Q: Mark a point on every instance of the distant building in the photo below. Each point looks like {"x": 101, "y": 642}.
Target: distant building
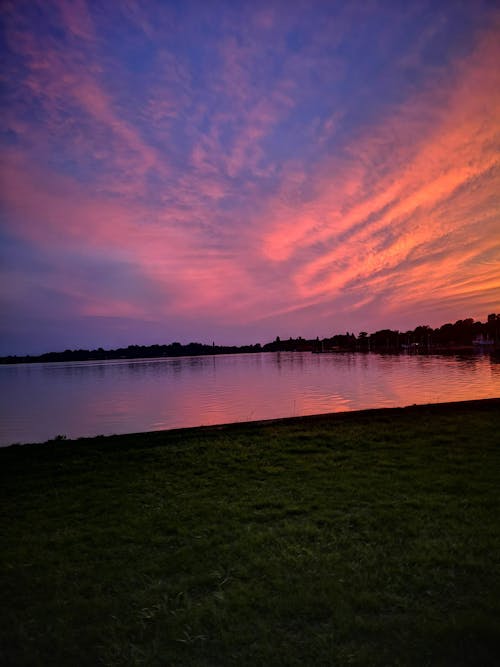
{"x": 482, "y": 340}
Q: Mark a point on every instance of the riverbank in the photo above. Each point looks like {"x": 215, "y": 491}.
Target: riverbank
{"x": 366, "y": 538}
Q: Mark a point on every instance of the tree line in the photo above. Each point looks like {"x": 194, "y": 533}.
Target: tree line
{"x": 461, "y": 335}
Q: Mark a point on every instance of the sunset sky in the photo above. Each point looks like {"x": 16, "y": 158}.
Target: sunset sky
{"x": 233, "y": 171}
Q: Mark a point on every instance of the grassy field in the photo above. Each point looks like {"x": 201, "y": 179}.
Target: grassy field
{"x": 369, "y": 538}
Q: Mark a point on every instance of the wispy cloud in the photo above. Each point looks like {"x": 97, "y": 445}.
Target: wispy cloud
{"x": 427, "y": 175}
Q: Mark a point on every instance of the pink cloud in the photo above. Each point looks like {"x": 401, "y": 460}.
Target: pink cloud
{"x": 426, "y": 159}
{"x": 53, "y": 211}
{"x": 77, "y": 19}
{"x": 69, "y": 80}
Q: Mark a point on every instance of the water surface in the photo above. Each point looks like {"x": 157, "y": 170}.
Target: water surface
{"x": 41, "y": 401}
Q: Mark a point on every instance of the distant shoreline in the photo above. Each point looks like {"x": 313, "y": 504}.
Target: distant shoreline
{"x": 50, "y": 357}
{"x": 462, "y": 336}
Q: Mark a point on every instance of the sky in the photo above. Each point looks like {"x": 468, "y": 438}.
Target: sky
{"x": 233, "y": 171}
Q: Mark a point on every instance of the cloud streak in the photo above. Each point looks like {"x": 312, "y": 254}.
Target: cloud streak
{"x": 368, "y": 231}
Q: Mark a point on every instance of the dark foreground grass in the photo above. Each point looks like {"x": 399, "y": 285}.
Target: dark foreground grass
{"x": 366, "y": 538}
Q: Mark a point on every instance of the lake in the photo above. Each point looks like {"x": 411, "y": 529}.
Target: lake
{"x": 41, "y": 401}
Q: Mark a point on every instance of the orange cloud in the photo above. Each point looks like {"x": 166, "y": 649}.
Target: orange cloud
{"x": 404, "y": 187}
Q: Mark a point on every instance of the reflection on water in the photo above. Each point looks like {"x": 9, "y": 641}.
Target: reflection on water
{"x": 77, "y": 399}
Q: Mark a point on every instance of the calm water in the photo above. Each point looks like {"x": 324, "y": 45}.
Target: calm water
{"x": 40, "y": 401}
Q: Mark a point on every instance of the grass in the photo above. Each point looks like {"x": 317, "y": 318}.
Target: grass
{"x": 368, "y": 538}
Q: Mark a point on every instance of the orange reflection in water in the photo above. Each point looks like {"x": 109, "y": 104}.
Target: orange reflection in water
{"x": 90, "y": 398}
